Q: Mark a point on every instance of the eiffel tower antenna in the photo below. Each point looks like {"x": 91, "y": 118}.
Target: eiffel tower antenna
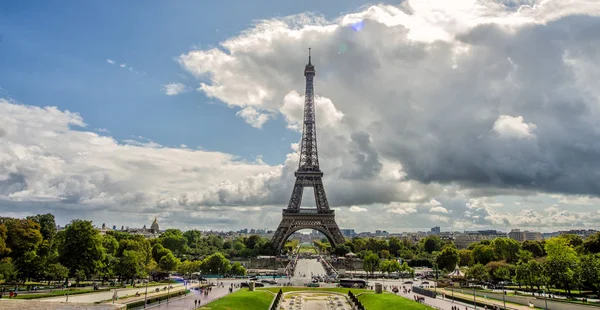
{"x": 308, "y": 174}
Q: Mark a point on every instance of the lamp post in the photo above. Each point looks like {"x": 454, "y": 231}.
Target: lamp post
{"x": 435, "y": 269}
{"x": 504, "y": 299}
{"x": 474, "y": 298}
{"x": 168, "y": 289}
{"x": 146, "y": 295}
{"x": 68, "y": 287}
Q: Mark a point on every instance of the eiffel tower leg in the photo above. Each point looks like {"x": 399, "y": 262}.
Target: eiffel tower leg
{"x": 320, "y": 197}
{"x": 296, "y": 198}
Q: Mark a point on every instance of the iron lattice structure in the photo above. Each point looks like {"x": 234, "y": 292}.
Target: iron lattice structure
{"x": 308, "y": 174}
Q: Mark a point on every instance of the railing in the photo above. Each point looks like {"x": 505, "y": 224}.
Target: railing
{"x": 276, "y": 301}
{"x": 355, "y": 302}
{"x": 307, "y": 211}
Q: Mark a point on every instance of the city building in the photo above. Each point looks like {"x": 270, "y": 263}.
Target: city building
{"x": 350, "y": 233}
{"x": 518, "y": 235}
{"x": 436, "y": 230}
{"x": 463, "y": 240}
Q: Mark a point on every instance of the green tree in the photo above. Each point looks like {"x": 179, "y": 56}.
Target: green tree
{"x": 404, "y": 268}
{"x": 82, "y": 248}
{"x": 110, "y": 244}
{"x": 47, "y": 225}
{"x": 4, "y": 249}
{"x": 174, "y": 240}
{"x": 465, "y": 257}
{"x": 389, "y": 266}
{"x": 506, "y": 249}
{"x": 502, "y": 273}
{"x": 168, "y": 262}
{"x": 395, "y": 245}
{"x": 8, "y": 271}
{"x": 193, "y": 238}
{"x": 478, "y": 272}
{"x": 130, "y": 265}
{"x": 528, "y": 273}
{"x": 483, "y": 254}
{"x": 187, "y": 268}
{"x": 341, "y": 250}
{"x": 158, "y": 251}
{"x": 371, "y": 262}
{"x": 561, "y": 262}
{"x": 238, "y": 270}
{"x": 23, "y": 238}
{"x": 535, "y": 247}
{"x": 589, "y": 270}
{"x": 385, "y": 254}
{"x": 432, "y": 244}
{"x": 55, "y": 272}
{"x": 447, "y": 258}
{"x": 216, "y": 264}
{"x": 592, "y": 243}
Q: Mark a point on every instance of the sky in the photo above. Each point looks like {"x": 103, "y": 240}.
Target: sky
{"x": 467, "y": 114}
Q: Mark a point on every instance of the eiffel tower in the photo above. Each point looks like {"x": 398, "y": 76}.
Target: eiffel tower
{"x": 308, "y": 174}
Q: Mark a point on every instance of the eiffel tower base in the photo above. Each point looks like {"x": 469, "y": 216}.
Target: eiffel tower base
{"x": 294, "y": 221}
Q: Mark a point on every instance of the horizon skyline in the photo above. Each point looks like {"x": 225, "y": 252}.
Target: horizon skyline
{"x": 466, "y": 115}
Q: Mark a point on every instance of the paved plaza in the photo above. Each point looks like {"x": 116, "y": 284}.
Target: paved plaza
{"x": 314, "y": 301}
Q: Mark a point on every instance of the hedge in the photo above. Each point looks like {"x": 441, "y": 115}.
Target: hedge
{"x": 154, "y": 299}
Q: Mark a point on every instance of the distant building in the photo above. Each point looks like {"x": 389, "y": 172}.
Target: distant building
{"x": 154, "y": 227}
{"x": 463, "y": 240}
{"x": 103, "y": 226}
{"x": 579, "y": 232}
{"x": 518, "y": 235}
{"x": 350, "y": 233}
{"x": 436, "y": 230}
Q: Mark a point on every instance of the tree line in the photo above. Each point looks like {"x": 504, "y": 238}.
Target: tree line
{"x": 565, "y": 262}
{"x": 32, "y": 249}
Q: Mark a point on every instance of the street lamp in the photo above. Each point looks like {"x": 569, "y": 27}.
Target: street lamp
{"x": 146, "y": 295}
{"x": 474, "y": 298}
{"x": 68, "y": 287}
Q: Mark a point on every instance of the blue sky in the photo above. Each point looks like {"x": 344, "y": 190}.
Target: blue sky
{"x": 54, "y": 53}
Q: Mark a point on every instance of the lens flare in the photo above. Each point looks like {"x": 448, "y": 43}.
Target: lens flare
{"x": 358, "y": 26}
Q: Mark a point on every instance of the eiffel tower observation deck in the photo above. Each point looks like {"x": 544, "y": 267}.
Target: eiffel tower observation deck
{"x": 308, "y": 174}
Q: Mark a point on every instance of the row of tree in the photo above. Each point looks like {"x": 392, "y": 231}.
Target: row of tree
{"x": 564, "y": 262}
{"x": 32, "y": 249}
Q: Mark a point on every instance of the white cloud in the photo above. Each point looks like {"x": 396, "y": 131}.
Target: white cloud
{"x": 413, "y": 112}
{"x": 513, "y": 127}
{"x": 123, "y": 65}
{"x": 253, "y": 117}
{"x": 172, "y": 89}
{"x": 44, "y": 160}
{"x": 438, "y": 209}
{"x": 110, "y": 61}
{"x": 357, "y": 209}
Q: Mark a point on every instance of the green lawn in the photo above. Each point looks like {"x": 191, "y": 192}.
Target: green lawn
{"x": 307, "y": 249}
{"x": 321, "y": 289}
{"x": 58, "y": 293}
{"x": 242, "y": 299}
{"x": 374, "y": 301}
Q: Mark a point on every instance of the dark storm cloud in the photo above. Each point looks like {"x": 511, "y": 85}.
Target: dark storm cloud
{"x": 452, "y": 139}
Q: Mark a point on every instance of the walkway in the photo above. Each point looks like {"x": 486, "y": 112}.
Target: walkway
{"x": 108, "y": 295}
{"x": 187, "y": 303}
{"x": 305, "y": 269}
{"x": 442, "y": 303}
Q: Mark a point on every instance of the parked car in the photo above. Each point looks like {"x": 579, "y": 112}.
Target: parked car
{"x": 408, "y": 282}
{"x": 258, "y": 284}
{"x": 313, "y": 284}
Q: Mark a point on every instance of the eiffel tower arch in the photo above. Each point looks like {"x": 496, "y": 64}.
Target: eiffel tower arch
{"x": 308, "y": 174}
